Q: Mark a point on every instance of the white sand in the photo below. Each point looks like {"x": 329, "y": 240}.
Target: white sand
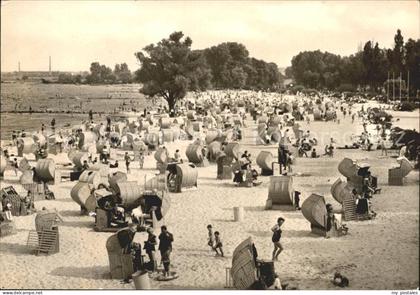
{"x": 378, "y": 254}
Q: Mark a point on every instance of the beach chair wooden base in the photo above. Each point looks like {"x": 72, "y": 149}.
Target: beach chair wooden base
{"x": 44, "y": 242}
{"x": 396, "y": 181}
{"x": 121, "y": 266}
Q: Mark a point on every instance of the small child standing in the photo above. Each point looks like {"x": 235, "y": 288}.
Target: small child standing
{"x": 211, "y": 236}
{"x": 141, "y": 160}
{"x": 218, "y": 244}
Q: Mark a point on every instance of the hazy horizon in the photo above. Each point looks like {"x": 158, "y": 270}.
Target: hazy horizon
{"x": 77, "y": 33}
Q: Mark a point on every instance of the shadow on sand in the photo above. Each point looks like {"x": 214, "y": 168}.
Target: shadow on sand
{"x": 16, "y": 249}
{"x": 89, "y": 273}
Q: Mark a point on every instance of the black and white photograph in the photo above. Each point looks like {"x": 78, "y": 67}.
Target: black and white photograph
{"x": 209, "y": 145}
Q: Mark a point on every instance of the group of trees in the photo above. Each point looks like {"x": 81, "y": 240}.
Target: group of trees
{"x": 367, "y": 68}
{"x": 231, "y": 67}
{"x": 170, "y": 68}
{"x": 101, "y": 74}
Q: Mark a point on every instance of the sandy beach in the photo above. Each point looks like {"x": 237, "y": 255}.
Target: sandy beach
{"x": 377, "y": 254}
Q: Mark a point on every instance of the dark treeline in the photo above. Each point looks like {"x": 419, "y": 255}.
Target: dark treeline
{"x": 100, "y": 74}
{"x": 367, "y": 69}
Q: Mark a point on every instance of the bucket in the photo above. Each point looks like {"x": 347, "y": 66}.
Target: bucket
{"x": 141, "y": 280}
{"x": 238, "y": 214}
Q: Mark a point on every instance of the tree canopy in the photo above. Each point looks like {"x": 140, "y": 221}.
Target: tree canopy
{"x": 170, "y": 68}
{"x": 367, "y": 68}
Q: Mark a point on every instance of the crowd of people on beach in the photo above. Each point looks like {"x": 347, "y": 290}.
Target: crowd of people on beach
{"x": 228, "y": 103}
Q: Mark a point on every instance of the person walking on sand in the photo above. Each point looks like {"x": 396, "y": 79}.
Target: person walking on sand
{"x": 278, "y": 248}
{"x": 165, "y": 248}
{"x": 218, "y": 244}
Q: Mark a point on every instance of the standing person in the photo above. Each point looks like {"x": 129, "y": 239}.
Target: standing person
{"x": 218, "y": 244}
{"x": 42, "y": 128}
{"x": 8, "y": 211}
{"x": 280, "y": 155}
{"x": 149, "y": 246}
{"x": 138, "y": 263}
{"x": 383, "y": 147}
{"x": 14, "y": 137}
{"x": 53, "y": 125}
{"x": 15, "y": 165}
{"x": 165, "y": 248}
{"x": 108, "y": 124}
{"x": 177, "y": 157}
{"x": 90, "y": 115}
{"x": 278, "y": 248}
{"x": 289, "y": 161}
{"x": 297, "y": 200}
{"x": 330, "y": 221}
{"x": 210, "y": 241}
{"x": 127, "y": 162}
{"x": 141, "y": 160}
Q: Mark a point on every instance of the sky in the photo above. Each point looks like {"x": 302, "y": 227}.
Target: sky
{"x": 76, "y": 33}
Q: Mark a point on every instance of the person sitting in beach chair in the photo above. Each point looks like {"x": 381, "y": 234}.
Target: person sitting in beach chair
{"x": 118, "y": 217}
{"x": 369, "y": 187}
